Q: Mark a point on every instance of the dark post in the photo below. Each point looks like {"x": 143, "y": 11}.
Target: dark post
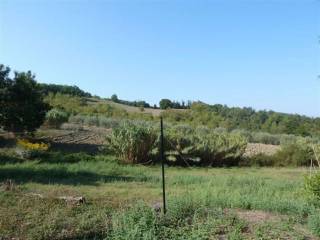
{"x": 162, "y": 163}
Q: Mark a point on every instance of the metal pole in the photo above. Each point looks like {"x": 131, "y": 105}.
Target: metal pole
{"x": 162, "y": 163}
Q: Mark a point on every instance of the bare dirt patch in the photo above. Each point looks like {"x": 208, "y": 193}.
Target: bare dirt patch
{"x": 86, "y": 139}
{"x": 260, "y": 148}
{"x": 256, "y": 216}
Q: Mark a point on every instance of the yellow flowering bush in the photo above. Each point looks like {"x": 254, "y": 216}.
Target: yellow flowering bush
{"x": 26, "y": 144}
{"x": 29, "y": 150}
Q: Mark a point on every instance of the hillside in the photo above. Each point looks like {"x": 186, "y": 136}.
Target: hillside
{"x": 129, "y": 109}
{"x": 199, "y": 113}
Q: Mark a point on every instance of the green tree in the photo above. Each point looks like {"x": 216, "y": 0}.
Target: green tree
{"x": 114, "y": 98}
{"x": 21, "y": 105}
{"x": 165, "y": 104}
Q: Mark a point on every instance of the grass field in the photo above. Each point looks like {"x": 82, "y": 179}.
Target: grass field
{"x": 220, "y": 203}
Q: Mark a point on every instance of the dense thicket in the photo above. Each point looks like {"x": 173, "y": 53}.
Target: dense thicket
{"x": 133, "y": 142}
{"x": 246, "y": 118}
{"x": 63, "y": 89}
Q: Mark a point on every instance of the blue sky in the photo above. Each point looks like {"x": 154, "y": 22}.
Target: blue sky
{"x": 263, "y": 54}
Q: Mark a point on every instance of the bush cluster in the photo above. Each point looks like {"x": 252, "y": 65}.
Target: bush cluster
{"x": 203, "y": 146}
{"x": 295, "y": 154}
{"x": 136, "y": 142}
{"x": 29, "y": 150}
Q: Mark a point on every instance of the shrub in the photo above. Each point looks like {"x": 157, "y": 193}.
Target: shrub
{"x": 91, "y": 120}
{"x": 314, "y": 222}
{"x": 29, "y": 150}
{"x": 203, "y": 146}
{"x": 312, "y": 185}
{"x": 260, "y": 160}
{"x": 133, "y": 141}
{"x": 266, "y": 138}
{"x": 33, "y": 146}
{"x": 287, "y": 139}
{"x": 295, "y": 154}
{"x": 56, "y": 117}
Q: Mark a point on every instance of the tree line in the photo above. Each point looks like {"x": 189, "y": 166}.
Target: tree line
{"x": 143, "y": 104}
{"x": 163, "y": 104}
{"x": 246, "y": 118}
{"x": 63, "y": 89}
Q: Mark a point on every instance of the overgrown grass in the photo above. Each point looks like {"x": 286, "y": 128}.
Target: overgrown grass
{"x": 202, "y": 202}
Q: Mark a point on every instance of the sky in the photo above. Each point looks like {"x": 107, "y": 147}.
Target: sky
{"x": 263, "y": 54}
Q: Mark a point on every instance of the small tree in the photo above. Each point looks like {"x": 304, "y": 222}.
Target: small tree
{"x": 114, "y": 98}
{"x": 22, "y": 108}
{"x": 165, "y": 103}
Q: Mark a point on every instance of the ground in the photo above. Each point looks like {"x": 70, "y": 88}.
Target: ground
{"x": 268, "y": 203}
{"x": 38, "y": 198}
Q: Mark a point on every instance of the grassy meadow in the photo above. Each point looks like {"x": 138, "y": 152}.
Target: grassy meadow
{"x": 121, "y": 201}
{"x": 88, "y": 168}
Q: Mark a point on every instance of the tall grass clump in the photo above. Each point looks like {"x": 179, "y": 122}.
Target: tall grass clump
{"x": 56, "y": 117}
{"x": 133, "y": 141}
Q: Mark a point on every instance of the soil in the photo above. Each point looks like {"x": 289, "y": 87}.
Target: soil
{"x": 259, "y": 148}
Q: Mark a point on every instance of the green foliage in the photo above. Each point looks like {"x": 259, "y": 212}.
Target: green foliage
{"x": 259, "y": 160}
{"x": 267, "y": 138}
{"x": 203, "y": 146}
{"x": 248, "y": 119}
{"x": 200, "y": 202}
{"x": 77, "y": 105}
{"x": 133, "y": 141}
{"x": 138, "y": 222}
{"x": 140, "y": 104}
{"x": 96, "y": 120}
{"x": 312, "y": 185}
{"x": 114, "y": 98}
{"x": 185, "y": 220}
{"x": 56, "y": 117}
{"x": 299, "y": 153}
{"x": 21, "y": 105}
{"x": 314, "y": 222}
{"x": 62, "y": 89}
{"x": 165, "y": 104}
